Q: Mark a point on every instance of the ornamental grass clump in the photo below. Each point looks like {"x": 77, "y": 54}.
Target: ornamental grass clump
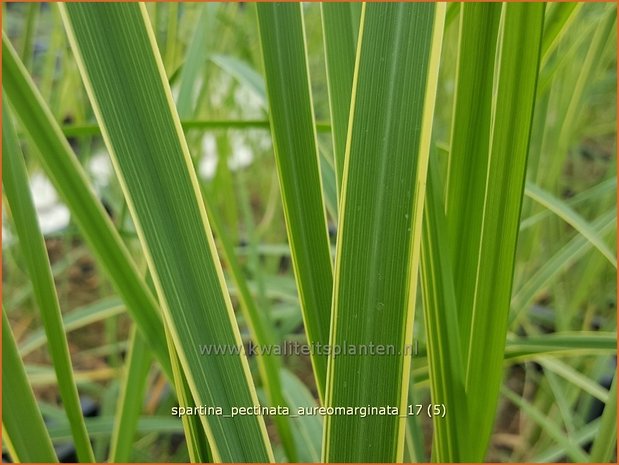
{"x": 289, "y": 175}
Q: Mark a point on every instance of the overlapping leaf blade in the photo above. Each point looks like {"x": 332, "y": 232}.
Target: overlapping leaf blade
{"x": 485, "y": 184}
{"x": 445, "y": 359}
{"x": 566, "y": 213}
{"x": 22, "y": 424}
{"x": 380, "y": 226}
{"x": 69, "y": 179}
{"x": 16, "y": 187}
{"x": 503, "y": 169}
{"x": 341, "y": 28}
{"x": 123, "y": 72}
{"x": 296, "y": 155}
{"x": 129, "y": 407}
{"x": 262, "y": 333}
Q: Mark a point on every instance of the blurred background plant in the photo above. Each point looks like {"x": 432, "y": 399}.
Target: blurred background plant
{"x": 554, "y": 390}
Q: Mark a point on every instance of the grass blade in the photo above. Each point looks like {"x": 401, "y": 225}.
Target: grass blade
{"x": 329, "y": 185}
{"x": 566, "y": 213}
{"x": 449, "y": 278}
{"x": 557, "y": 263}
{"x": 194, "y": 60}
{"x": 531, "y": 348}
{"x": 131, "y": 399}
{"x": 296, "y": 154}
{"x": 340, "y": 38}
{"x": 116, "y": 53}
{"x": 598, "y": 192}
{"x": 517, "y": 77}
{"x": 558, "y": 452}
{"x": 479, "y": 25}
{"x": 486, "y": 183}
{"x": 78, "y": 318}
{"x": 308, "y": 429}
{"x": 573, "y": 450}
{"x": 76, "y": 130}
{"x": 572, "y": 112}
{"x": 102, "y": 427}
{"x": 380, "y": 225}
{"x": 23, "y": 430}
{"x": 27, "y": 49}
{"x": 415, "y": 450}
{"x": 69, "y": 179}
{"x": 199, "y": 452}
{"x": 575, "y": 377}
{"x": 557, "y": 23}
{"x": 605, "y": 443}
{"x": 564, "y": 343}
{"x": 262, "y": 333}
{"x": 244, "y": 74}
{"x": 441, "y": 321}
{"x": 17, "y": 191}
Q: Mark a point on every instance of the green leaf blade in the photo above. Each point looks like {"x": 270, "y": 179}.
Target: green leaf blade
{"x": 565, "y": 212}
{"x": 517, "y": 78}
{"x": 131, "y": 399}
{"x": 296, "y": 154}
{"x": 380, "y": 226}
{"x": 127, "y": 87}
{"x": 17, "y": 190}
{"x": 605, "y": 443}
{"x": 22, "y": 424}
{"x": 69, "y": 179}
{"x": 445, "y": 359}
{"x": 340, "y": 36}
{"x": 471, "y": 134}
